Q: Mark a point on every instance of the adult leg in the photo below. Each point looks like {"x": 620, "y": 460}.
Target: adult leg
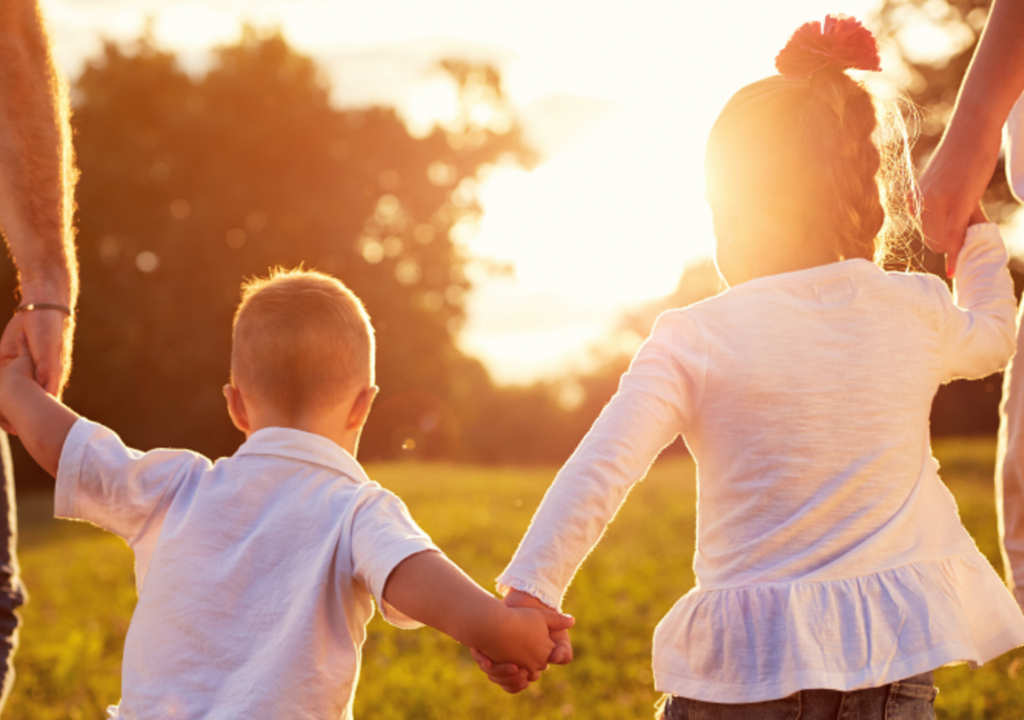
{"x": 1010, "y": 472}
{"x": 12, "y": 594}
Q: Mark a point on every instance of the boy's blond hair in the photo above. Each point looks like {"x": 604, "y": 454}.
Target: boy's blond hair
{"x": 301, "y": 341}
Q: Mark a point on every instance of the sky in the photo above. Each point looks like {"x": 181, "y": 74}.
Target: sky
{"x": 618, "y": 97}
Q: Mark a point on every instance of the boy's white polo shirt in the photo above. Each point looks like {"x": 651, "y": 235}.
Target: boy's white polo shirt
{"x": 255, "y": 573}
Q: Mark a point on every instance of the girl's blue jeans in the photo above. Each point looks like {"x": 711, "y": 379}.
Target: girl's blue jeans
{"x": 910, "y": 699}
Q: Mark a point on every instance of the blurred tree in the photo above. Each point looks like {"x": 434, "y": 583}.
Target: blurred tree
{"x": 190, "y": 184}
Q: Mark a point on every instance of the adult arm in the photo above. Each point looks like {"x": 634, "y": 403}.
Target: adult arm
{"x": 37, "y": 178}
{"x": 962, "y": 165}
{"x": 1010, "y": 474}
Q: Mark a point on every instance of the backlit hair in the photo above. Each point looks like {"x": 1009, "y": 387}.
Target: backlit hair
{"x": 823, "y": 151}
{"x": 301, "y": 341}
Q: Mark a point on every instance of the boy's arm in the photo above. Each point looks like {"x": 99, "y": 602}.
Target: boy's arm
{"x": 430, "y": 588}
{"x": 41, "y": 421}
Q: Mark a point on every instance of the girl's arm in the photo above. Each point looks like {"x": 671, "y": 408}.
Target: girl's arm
{"x": 658, "y": 398}
{"x": 431, "y": 589}
{"x": 978, "y": 327}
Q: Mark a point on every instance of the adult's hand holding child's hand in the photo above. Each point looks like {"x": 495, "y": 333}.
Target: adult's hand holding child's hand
{"x": 952, "y": 185}
{"x": 47, "y": 334}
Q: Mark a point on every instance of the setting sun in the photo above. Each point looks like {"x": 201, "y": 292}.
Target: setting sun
{"x": 618, "y": 102}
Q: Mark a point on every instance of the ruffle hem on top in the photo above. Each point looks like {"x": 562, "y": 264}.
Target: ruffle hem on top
{"x": 767, "y": 641}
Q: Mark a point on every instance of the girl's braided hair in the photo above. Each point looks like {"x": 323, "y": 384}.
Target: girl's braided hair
{"x": 817, "y": 145}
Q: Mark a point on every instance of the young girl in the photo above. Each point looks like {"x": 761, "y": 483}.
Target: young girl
{"x": 833, "y": 573}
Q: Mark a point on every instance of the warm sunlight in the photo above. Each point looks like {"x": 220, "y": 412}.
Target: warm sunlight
{"x": 408, "y": 367}
{"x": 618, "y": 102}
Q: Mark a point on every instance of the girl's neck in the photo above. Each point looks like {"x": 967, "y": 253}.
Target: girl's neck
{"x": 784, "y": 262}
{"x": 765, "y": 253}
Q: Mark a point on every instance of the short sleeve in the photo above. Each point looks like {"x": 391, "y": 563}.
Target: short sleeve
{"x": 101, "y": 480}
{"x": 383, "y": 535}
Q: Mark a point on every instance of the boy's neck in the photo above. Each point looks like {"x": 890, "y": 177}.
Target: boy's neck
{"x": 341, "y": 423}
{"x": 316, "y": 425}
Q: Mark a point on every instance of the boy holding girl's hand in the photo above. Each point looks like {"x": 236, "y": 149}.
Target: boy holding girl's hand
{"x": 255, "y": 573}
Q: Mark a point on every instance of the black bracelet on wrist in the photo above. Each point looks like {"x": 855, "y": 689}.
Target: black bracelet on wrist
{"x": 28, "y": 307}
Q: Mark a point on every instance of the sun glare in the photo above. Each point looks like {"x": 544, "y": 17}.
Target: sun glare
{"x": 618, "y": 101}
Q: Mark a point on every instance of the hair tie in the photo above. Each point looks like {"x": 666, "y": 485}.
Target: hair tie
{"x": 842, "y": 44}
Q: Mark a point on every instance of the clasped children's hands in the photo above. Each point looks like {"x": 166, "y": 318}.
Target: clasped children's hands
{"x": 551, "y": 647}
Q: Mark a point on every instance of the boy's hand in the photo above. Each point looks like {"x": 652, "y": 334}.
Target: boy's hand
{"x": 527, "y": 641}
{"x": 43, "y": 422}
{"x": 15, "y": 369}
{"x": 430, "y": 588}
{"x": 509, "y": 676}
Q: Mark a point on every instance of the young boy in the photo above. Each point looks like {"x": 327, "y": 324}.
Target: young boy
{"x": 255, "y": 573}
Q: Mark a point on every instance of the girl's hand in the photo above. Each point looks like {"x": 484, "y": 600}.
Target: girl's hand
{"x": 562, "y": 654}
{"x": 509, "y": 676}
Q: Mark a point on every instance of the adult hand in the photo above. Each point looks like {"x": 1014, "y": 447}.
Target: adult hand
{"x": 48, "y": 337}
{"x": 508, "y": 676}
{"x": 954, "y": 181}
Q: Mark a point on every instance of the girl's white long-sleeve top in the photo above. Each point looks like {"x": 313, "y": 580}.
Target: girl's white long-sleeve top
{"x": 829, "y": 554}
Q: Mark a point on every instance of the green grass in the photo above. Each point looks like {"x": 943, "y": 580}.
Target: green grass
{"x": 82, "y": 588}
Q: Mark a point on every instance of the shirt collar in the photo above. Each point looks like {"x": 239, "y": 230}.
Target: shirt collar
{"x": 853, "y": 266}
{"x": 304, "y": 447}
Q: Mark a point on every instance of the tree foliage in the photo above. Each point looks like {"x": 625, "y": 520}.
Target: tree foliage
{"x": 192, "y": 183}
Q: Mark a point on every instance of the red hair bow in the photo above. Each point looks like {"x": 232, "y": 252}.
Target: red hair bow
{"x": 843, "y": 43}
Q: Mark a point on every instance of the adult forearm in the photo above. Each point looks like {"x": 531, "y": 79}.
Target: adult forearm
{"x": 37, "y": 173}
{"x": 995, "y": 78}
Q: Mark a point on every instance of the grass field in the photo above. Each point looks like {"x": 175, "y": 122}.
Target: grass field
{"x": 82, "y": 594}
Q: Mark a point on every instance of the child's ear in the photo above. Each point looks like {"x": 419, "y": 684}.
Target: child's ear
{"x": 361, "y": 407}
{"x": 236, "y": 408}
